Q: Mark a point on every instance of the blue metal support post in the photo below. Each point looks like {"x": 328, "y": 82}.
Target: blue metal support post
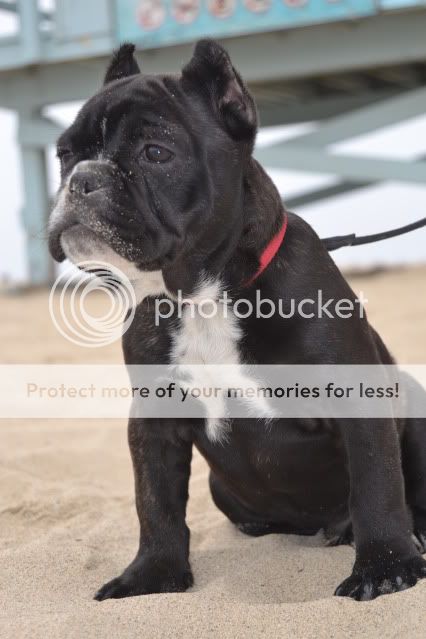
{"x": 36, "y": 207}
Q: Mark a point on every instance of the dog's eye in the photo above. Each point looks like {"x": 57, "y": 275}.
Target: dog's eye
{"x": 157, "y": 154}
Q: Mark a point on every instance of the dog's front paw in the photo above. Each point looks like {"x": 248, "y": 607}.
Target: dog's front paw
{"x": 147, "y": 576}
{"x": 419, "y": 534}
{"x": 368, "y": 583}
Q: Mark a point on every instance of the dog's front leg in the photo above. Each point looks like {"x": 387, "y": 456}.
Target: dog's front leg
{"x": 161, "y": 452}
{"x": 386, "y": 558}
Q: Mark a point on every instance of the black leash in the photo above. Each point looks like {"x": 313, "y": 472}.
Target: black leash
{"x": 333, "y": 243}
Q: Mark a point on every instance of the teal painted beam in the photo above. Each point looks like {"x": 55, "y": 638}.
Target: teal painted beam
{"x": 29, "y": 33}
{"x": 365, "y": 120}
{"x": 325, "y": 193}
{"x": 260, "y": 58}
{"x": 314, "y": 108}
{"x": 35, "y": 214}
{"x": 385, "y": 38}
{"x": 298, "y": 158}
{"x": 277, "y": 16}
{"x": 12, "y": 7}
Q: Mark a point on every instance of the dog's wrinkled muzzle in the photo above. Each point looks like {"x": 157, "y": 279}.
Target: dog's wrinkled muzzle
{"x": 86, "y": 183}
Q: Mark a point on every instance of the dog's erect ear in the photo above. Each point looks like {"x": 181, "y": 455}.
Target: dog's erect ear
{"x": 122, "y": 64}
{"x": 210, "y": 72}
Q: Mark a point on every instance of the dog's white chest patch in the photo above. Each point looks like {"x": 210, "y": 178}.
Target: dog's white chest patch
{"x": 203, "y": 340}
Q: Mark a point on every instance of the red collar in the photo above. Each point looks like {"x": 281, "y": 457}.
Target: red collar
{"x": 270, "y": 251}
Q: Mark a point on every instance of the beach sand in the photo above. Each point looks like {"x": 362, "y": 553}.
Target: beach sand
{"x": 68, "y": 523}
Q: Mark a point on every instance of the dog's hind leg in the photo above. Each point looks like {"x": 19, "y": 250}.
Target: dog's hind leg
{"x": 414, "y": 468}
{"x": 245, "y": 520}
{"x": 233, "y": 509}
{"x": 413, "y": 447}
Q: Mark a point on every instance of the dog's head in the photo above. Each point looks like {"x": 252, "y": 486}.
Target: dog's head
{"x": 152, "y": 167}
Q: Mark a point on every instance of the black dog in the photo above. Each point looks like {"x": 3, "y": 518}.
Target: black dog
{"x": 158, "y": 178}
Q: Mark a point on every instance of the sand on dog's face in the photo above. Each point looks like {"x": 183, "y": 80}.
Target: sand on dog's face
{"x": 67, "y": 519}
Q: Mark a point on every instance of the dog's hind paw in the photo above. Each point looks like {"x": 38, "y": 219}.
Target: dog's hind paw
{"x": 419, "y": 539}
{"x": 254, "y": 529}
{"x": 419, "y": 532}
{"x": 144, "y": 577}
{"x": 339, "y": 535}
{"x": 369, "y": 583}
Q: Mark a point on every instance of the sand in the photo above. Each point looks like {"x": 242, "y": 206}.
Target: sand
{"x": 67, "y": 519}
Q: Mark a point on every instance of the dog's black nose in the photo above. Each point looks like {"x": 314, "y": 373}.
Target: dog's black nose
{"x": 85, "y": 182}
